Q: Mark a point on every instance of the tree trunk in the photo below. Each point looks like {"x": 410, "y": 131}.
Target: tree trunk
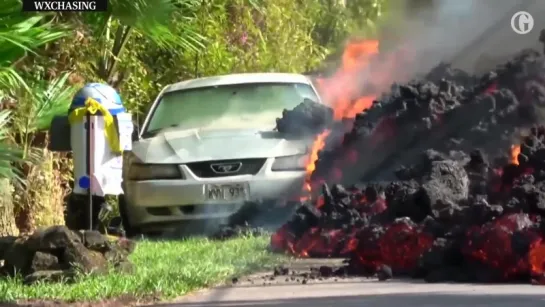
{"x": 7, "y": 217}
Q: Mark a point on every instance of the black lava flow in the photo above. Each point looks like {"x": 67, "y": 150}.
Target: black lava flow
{"x": 306, "y": 119}
{"x": 431, "y": 203}
{"x": 448, "y": 110}
{"x": 428, "y": 188}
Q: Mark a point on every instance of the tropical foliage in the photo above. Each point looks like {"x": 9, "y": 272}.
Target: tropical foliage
{"x": 139, "y": 46}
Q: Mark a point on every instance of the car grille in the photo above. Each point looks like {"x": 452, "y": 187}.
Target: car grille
{"x": 248, "y": 167}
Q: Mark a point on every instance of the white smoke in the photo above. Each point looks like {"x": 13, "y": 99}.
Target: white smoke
{"x": 466, "y": 33}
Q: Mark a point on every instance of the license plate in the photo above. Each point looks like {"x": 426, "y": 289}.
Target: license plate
{"x": 236, "y": 191}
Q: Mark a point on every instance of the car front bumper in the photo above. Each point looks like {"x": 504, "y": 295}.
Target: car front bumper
{"x": 160, "y": 203}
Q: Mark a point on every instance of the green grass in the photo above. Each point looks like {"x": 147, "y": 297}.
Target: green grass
{"x": 165, "y": 269}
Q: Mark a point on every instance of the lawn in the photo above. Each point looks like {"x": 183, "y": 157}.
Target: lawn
{"x": 163, "y": 268}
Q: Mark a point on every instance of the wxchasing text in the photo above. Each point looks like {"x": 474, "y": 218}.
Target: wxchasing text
{"x": 59, "y": 5}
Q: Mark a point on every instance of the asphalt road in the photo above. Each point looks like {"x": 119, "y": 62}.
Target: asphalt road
{"x": 369, "y": 293}
{"x": 264, "y": 291}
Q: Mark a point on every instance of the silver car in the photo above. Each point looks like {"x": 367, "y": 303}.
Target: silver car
{"x": 209, "y": 145}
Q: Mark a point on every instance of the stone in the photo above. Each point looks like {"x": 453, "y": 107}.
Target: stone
{"x": 94, "y": 240}
{"x": 86, "y": 260}
{"x": 17, "y": 258}
{"x": 49, "y": 276}
{"x": 44, "y": 262}
{"x": 119, "y": 250}
{"x": 57, "y": 254}
{"x": 5, "y": 244}
{"x": 52, "y": 238}
{"x": 126, "y": 244}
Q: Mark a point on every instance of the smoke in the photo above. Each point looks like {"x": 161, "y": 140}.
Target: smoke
{"x": 473, "y": 35}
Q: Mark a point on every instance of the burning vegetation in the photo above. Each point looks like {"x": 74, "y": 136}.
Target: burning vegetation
{"x": 426, "y": 180}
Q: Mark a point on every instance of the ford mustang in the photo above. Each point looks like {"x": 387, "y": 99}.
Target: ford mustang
{"x": 207, "y": 146}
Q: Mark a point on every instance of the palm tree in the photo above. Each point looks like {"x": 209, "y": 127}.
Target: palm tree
{"x": 19, "y": 35}
{"x": 153, "y": 20}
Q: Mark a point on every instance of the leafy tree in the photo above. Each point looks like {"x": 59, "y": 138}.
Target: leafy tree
{"x": 20, "y": 35}
{"x": 149, "y": 19}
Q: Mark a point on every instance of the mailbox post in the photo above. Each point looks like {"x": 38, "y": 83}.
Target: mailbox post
{"x": 100, "y": 130}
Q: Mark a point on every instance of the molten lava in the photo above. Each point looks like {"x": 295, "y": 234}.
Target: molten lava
{"x": 447, "y": 220}
{"x": 515, "y": 151}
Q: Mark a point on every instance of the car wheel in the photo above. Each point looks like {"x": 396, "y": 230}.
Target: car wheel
{"x": 129, "y": 230}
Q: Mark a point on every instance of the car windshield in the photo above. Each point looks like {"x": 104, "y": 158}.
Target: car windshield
{"x": 240, "y": 106}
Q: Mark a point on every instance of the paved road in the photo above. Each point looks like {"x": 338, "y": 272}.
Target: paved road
{"x": 260, "y": 290}
{"x": 369, "y": 293}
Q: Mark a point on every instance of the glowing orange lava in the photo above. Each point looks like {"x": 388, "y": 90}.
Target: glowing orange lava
{"x": 536, "y": 257}
{"x": 515, "y": 151}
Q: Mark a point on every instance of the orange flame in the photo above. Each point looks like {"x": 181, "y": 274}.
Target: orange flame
{"x": 340, "y": 92}
{"x": 515, "y": 151}
{"x": 318, "y": 145}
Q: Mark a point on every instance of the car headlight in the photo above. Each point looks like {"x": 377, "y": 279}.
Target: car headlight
{"x": 290, "y": 163}
{"x": 138, "y": 171}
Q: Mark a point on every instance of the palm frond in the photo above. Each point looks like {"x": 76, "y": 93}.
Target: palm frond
{"x": 50, "y": 99}
{"x": 153, "y": 19}
{"x": 21, "y": 33}
{"x": 8, "y": 153}
{"x": 10, "y": 79}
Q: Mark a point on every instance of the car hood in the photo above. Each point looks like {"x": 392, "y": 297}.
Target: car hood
{"x": 183, "y": 146}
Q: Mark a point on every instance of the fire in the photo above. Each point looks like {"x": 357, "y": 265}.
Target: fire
{"x": 341, "y": 91}
{"x": 515, "y": 151}
{"x": 318, "y": 145}
{"x": 499, "y": 238}
{"x": 343, "y": 94}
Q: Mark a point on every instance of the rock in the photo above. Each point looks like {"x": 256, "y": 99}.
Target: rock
{"x": 86, "y": 260}
{"x": 49, "y": 276}
{"x": 5, "y": 243}
{"x": 307, "y": 118}
{"x": 52, "y": 238}
{"x": 281, "y": 271}
{"x": 384, "y": 273}
{"x": 326, "y": 271}
{"x": 117, "y": 252}
{"x": 447, "y": 183}
{"x": 17, "y": 258}
{"x": 56, "y": 253}
{"x": 125, "y": 244}
{"x": 94, "y": 240}
{"x": 44, "y": 262}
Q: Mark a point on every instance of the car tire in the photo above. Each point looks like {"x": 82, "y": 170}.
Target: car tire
{"x": 129, "y": 230}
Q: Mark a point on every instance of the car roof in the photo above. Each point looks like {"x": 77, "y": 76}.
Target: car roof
{"x": 238, "y": 79}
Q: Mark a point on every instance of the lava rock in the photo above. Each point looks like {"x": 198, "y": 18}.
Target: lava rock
{"x": 384, "y": 273}
{"x": 306, "y": 119}
{"x": 57, "y": 253}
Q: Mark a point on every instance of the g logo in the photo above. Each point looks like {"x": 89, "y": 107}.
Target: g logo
{"x": 522, "y": 22}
